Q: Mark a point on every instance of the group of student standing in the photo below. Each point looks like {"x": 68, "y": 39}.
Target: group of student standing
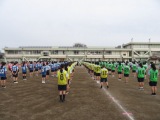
{"x": 35, "y": 68}
{"x": 100, "y": 70}
{"x": 62, "y": 70}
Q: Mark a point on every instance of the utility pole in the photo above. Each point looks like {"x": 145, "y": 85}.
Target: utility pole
{"x": 149, "y": 47}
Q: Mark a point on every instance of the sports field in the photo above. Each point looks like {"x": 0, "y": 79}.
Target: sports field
{"x": 32, "y": 100}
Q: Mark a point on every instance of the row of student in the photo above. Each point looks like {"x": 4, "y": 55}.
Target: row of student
{"x": 64, "y": 75}
{"x": 120, "y": 67}
{"x": 35, "y": 66}
{"x": 113, "y": 66}
{"x": 45, "y": 70}
{"x": 15, "y": 71}
{"x": 140, "y": 72}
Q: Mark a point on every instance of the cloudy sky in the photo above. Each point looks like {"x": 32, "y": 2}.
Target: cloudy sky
{"x": 65, "y": 22}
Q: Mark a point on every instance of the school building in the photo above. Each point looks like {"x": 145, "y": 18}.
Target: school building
{"x": 79, "y": 52}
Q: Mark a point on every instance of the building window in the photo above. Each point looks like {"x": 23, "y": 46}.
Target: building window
{"x": 35, "y": 52}
{"x": 76, "y": 52}
{"x": 54, "y": 52}
{"x": 45, "y": 53}
{"x": 63, "y": 52}
{"x": 97, "y": 52}
{"x": 14, "y": 52}
{"x": 10, "y": 52}
{"x": 155, "y": 46}
{"x": 27, "y": 52}
{"x": 108, "y": 52}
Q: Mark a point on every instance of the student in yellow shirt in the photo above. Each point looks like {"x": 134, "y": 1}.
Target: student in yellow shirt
{"x": 98, "y": 69}
{"x": 104, "y": 74}
{"x": 62, "y": 83}
{"x": 69, "y": 71}
{"x": 95, "y": 67}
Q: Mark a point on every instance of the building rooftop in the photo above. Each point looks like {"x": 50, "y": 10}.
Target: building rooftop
{"x": 65, "y": 47}
{"x": 35, "y": 47}
{"x": 141, "y": 43}
{"x": 79, "y": 46}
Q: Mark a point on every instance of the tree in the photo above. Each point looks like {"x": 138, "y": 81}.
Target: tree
{"x": 79, "y": 45}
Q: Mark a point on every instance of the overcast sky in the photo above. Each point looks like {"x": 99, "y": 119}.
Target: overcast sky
{"x": 65, "y": 22}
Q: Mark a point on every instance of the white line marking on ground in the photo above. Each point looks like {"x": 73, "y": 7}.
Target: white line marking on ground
{"x": 129, "y": 115}
{"x": 119, "y": 105}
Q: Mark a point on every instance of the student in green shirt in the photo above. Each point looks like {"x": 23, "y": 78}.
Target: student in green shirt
{"x": 119, "y": 69}
{"x": 113, "y": 68}
{"x": 153, "y": 78}
{"x": 134, "y": 68}
{"x": 109, "y": 67}
{"x": 141, "y": 75}
{"x": 126, "y": 72}
{"x": 146, "y": 67}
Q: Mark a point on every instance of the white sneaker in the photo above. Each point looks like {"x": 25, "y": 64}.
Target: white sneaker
{"x": 16, "y": 82}
{"x": 98, "y": 82}
{"x": 43, "y": 81}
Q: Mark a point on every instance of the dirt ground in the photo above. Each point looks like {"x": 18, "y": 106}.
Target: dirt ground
{"x": 32, "y": 100}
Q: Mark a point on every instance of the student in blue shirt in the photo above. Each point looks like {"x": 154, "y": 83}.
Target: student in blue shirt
{"x": 15, "y": 72}
{"x": 43, "y": 72}
{"x": 56, "y": 68}
{"x": 31, "y": 68}
{"x": 3, "y": 71}
{"x": 36, "y": 68}
{"x": 40, "y": 66}
{"x": 24, "y": 70}
{"x": 52, "y": 68}
{"x": 47, "y": 70}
